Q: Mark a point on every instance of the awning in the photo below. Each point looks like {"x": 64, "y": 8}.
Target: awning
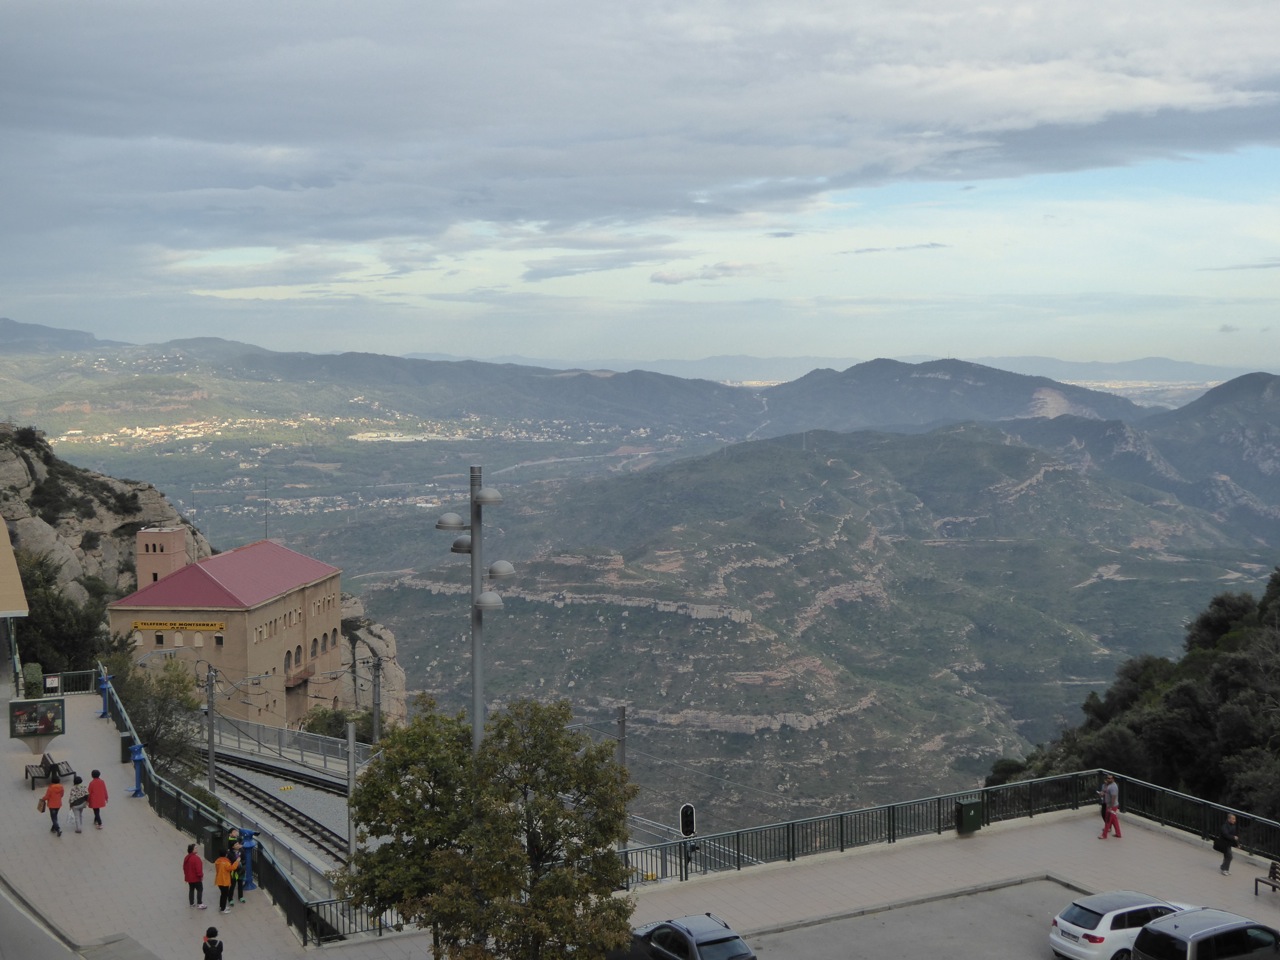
{"x": 13, "y": 602}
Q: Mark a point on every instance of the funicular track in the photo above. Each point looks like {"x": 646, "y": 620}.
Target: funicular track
{"x": 317, "y": 834}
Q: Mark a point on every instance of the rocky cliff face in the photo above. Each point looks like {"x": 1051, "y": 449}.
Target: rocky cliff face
{"x": 85, "y": 521}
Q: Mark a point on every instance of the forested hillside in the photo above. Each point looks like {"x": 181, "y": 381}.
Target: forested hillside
{"x": 1207, "y": 723}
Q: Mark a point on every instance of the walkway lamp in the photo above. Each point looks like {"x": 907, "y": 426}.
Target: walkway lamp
{"x": 481, "y": 600}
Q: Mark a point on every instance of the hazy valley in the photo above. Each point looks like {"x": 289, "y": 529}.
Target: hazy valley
{"x": 850, "y": 587}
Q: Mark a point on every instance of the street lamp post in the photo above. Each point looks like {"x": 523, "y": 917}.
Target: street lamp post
{"x": 481, "y": 599}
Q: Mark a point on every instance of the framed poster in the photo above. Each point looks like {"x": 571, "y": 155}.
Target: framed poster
{"x": 37, "y": 718}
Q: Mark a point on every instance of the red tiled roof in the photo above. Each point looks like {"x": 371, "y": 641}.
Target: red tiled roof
{"x": 240, "y": 579}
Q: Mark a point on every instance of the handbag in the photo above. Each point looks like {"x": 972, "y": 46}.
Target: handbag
{"x": 1221, "y": 845}
{"x": 79, "y": 802}
{"x": 40, "y": 805}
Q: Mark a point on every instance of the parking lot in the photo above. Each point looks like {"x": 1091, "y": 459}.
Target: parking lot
{"x": 1010, "y": 923}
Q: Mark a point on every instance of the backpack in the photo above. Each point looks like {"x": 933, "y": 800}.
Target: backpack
{"x": 213, "y": 950}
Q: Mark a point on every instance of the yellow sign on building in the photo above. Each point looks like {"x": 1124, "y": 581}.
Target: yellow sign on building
{"x": 178, "y": 625}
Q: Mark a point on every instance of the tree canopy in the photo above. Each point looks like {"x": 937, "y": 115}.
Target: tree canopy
{"x": 163, "y": 707}
{"x": 59, "y": 633}
{"x": 1207, "y": 724}
{"x": 510, "y": 852}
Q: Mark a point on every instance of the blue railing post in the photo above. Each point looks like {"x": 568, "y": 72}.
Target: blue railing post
{"x": 135, "y": 754}
{"x": 104, "y": 683}
{"x": 247, "y": 846}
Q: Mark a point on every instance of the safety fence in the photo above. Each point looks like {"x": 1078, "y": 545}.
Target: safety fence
{"x": 971, "y": 809}
{"x": 327, "y": 919}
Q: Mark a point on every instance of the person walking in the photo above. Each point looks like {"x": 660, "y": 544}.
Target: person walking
{"x": 97, "y": 797}
{"x": 193, "y": 873}
{"x": 53, "y": 802}
{"x": 1111, "y": 799}
{"x": 212, "y": 945}
{"x": 76, "y": 800}
{"x": 1227, "y": 840}
{"x": 223, "y": 868}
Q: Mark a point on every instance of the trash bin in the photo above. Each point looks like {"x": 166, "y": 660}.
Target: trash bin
{"x": 126, "y": 744}
{"x": 213, "y": 843}
{"x": 968, "y": 815}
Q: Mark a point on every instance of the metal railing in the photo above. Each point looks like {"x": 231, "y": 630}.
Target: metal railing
{"x": 309, "y": 749}
{"x": 193, "y": 817}
{"x": 837, "y": 832}
{"x": 324, "y": 920}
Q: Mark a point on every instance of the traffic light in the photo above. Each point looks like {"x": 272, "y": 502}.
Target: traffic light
{"x": 688, "y": 826}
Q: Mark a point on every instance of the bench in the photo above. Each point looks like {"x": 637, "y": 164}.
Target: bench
{"x": 46, "y": 768}
{"x": 1272, "y": 879}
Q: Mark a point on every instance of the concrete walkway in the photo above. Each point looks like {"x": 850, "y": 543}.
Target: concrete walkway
{"x": 118, "y": 893}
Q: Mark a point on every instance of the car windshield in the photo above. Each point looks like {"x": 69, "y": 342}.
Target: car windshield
{"x": 1079, "y": 916}
{"x": 1161, "y": 946}
{"x": 726, "y": 949}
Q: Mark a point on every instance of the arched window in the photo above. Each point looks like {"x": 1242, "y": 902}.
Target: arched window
{"x": 288, "y": 661}
{"x": 315, "y": 647}
{"x": 324, "y": 642}
{"x": 297, "y": 655}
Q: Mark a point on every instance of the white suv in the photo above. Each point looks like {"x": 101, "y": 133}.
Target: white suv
{"x": 1103, "y": 926}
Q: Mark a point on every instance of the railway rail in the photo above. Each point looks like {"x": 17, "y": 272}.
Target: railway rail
{"x": 332, "y": 843}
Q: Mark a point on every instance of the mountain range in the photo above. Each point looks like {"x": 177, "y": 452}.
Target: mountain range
{"x": 851, "y": 587}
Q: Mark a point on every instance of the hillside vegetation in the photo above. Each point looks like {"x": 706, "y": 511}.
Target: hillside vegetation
{"x": 1206, "y": 723}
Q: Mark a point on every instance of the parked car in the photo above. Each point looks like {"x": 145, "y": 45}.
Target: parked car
{"x": 1205, "y": 934}
{"x": 698, "y": 937}
{"x": 1103, "y": 926}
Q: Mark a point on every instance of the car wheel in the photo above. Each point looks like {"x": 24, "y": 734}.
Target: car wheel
{"x": 1121, "y": 955}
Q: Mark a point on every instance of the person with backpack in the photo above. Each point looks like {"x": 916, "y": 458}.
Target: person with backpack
{"x": 212, "y": 945}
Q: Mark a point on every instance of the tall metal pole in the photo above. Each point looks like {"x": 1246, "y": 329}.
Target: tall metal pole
{"x": 351, "y": 787}
{"x": 210, "y": 677}
{"x": 477, "y": 618}
{"x": 377, "y": 698}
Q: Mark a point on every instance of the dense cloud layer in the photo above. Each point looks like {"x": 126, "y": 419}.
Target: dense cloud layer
{"x": 243, "y": 163}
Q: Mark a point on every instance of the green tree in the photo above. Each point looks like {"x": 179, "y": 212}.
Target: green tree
{"x": 1207, "y": 724}
{"x": 507, "y": 853}
{"x": 329, "y": 722}
{"x": 163, "y": 706}
{"x": 58, "y": 633}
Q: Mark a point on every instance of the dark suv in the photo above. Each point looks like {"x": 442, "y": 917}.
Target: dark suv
{"x": 1205, "y": 934}
{"x": 699, "y": 937}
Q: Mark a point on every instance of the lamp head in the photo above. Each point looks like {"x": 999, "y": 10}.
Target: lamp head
{"x": 451, "y": 521}
{"x": 500, "y": 570}
{"x": 488, "y": 497}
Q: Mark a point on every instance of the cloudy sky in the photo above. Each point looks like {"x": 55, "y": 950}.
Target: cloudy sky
{"x": 648, "y": 180}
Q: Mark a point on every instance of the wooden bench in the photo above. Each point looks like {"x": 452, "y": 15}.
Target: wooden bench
{"x": 1272, "y": 879}
{"x": 46, "y": 768}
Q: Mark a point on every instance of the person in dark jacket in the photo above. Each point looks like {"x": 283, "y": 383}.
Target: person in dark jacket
{"x": 1228, "y": 840}
{"x": 212, "y": 945}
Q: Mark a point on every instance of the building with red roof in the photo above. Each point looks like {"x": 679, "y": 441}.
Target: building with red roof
{"x": 267, "y": 618}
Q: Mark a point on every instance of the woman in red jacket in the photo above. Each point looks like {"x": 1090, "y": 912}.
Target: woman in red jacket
{"x": 97, "y": 797}
{"x": 193, "y": 873}
{"x": 53, "y": 802}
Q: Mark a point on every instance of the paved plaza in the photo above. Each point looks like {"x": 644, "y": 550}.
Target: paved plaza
{"x": 118, "y": 893}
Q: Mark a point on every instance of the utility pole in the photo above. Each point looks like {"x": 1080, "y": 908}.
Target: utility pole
{"x": 210, "y": 688}
{"x": 377, "y": 699}
{"x": 622, "y": 736}
{"x": 355, "y": 683}
{"x": 351, "y": 787}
